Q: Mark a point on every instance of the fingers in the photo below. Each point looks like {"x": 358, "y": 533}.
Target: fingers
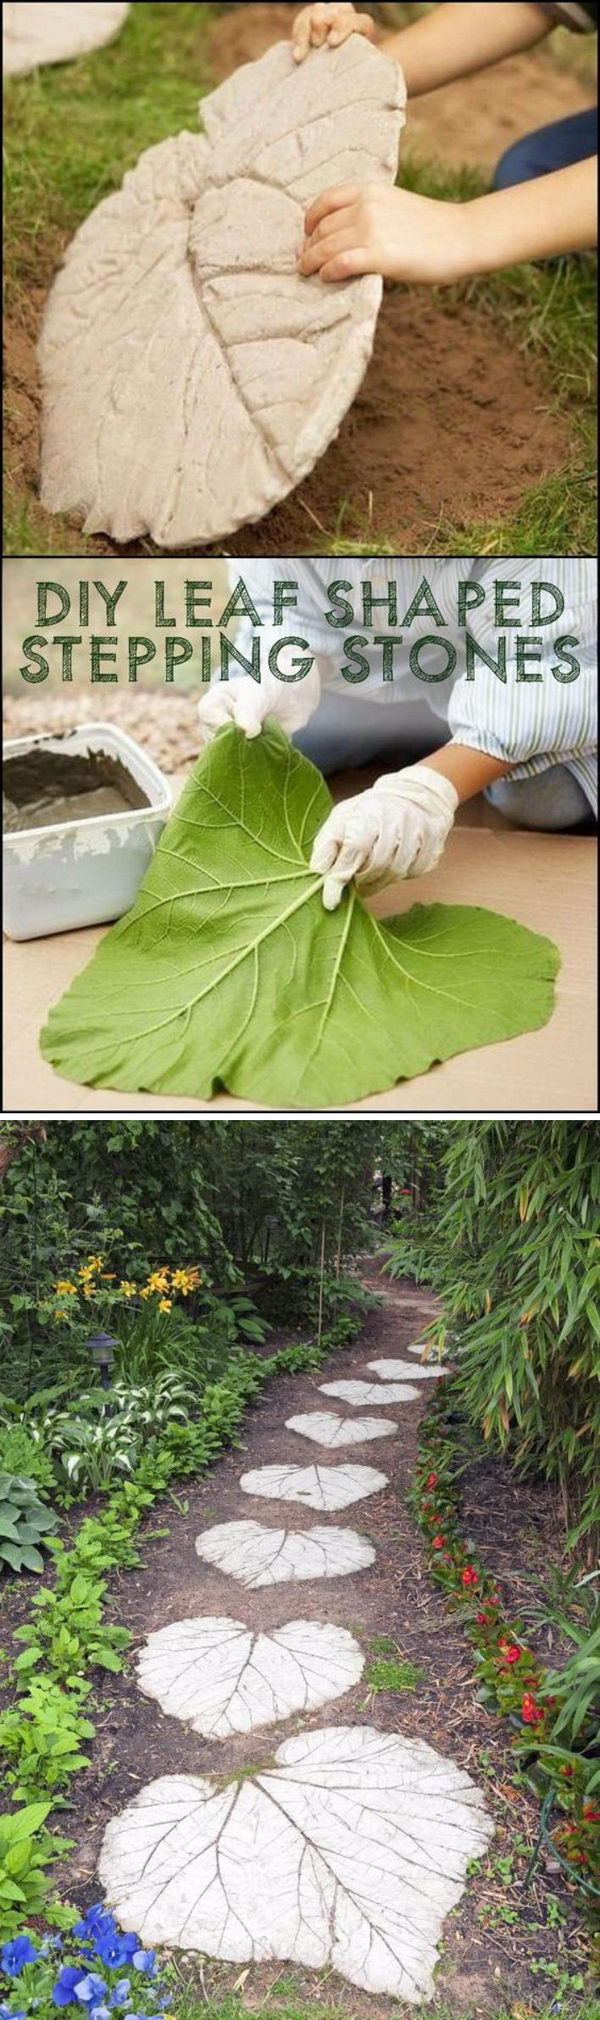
{"x": 339, "y": 258}
{"x": 358, "y": 24}
{"x": 238, "y": 703}
{"x": 342, "y": 847}
{"x": 318, "y": 24}
{"x": 343, "y": 196}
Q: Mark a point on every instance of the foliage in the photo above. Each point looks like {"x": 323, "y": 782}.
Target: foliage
{"x": 392, "y": 1672}
{"x": 25, "y": 1524}
{"x": 40, "y": 1738}
{"x": 26, "y": 1848}
{"x": 541, "y": 1708}
{"x": 515, "y": 1253}
{"x": 20, "y": 1452}
{"x": 104, "y": 1436}
{"x": 94, "y": 1968}
{"x": 382, "y": 1001}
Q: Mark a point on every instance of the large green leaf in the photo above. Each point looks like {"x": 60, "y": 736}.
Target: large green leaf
{"x": 229, "y": 973}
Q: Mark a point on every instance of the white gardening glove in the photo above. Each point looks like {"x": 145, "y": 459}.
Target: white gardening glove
{"x": 397, "y": 829}
{"x": 247, "y": 702}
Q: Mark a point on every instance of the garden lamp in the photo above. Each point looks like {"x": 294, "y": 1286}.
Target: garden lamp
{"x": 102, "y": 1349}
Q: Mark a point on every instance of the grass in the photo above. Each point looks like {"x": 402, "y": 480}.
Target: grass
{"x": 389, "y": 1673}
{"x": 71, "y": 133}
{"x": 278, "y": 2005}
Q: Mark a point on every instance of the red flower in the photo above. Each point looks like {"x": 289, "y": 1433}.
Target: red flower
{"x": 566, "y": 1771}
{"x": 431, "y": 1480}
{"x": 512, "y": 1653}
{"x": 531, "y": 1712}
{"x": 437, "y": 1542}
{"x": 470, "y": 1576}
{"x": 482, "y": 1619}
{"x": 591, "y": 1816}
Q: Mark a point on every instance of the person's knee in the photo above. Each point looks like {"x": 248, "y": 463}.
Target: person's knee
{"x": 550, "y": 800}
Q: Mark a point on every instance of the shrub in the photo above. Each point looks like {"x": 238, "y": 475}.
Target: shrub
{"x": 25, "y": 1524}
{"x": 21, "y": 1453}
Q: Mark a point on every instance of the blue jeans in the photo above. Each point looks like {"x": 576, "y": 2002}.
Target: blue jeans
{"x": 558, "y": 145}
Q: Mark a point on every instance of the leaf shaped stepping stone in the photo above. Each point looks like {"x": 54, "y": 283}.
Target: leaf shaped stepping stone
{"x": 347, "y": 1854}
{"x": 394, "y": 1370}
{"x": 314, "y": 1486}
{"x": 256, "y": 1556}
{"x": 370, "y": 1392}
{"x": 191, "y": 375}
{"x": 220, "y": 1678}
{"x": 326, "y": 1429}
{"x": 51, "y": 32}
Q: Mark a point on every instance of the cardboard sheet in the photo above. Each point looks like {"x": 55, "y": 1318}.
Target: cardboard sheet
{"x": 545, "y": 881}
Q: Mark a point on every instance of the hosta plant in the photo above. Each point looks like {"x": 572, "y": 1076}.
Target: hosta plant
{"x": 25, "y": 1524}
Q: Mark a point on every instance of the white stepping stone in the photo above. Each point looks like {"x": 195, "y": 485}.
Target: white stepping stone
{"x": 51, "y": 32}
{"x": 314, "y": 1486}
{"x": 220, "y": 1678}
{"x": 191, "y": 376}
{"x": 346, "y": 1855}
{"x": 370, "y": 1392}
{"x": 326, "y": 1429}
{"x": 394, "y": 1370}
{"x": 256, "y": 1556}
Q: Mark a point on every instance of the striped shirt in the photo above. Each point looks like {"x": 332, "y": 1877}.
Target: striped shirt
{"x": 530, "y": 723}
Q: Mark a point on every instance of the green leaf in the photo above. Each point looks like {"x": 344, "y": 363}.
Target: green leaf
{"x": 229, "y": 973}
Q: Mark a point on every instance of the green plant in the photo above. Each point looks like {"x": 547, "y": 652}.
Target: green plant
{"x": 26, "y": 1848}
{"x": 68, "y": 1632}
{"x": 576, "y": 1691}
{"x": 393, "y": 1673}
{"x": 40, "y": 1737}
{"x": 384, "y": 1007}
{"x": 24, "y": 1454}
{"x": 25, "y": 1524}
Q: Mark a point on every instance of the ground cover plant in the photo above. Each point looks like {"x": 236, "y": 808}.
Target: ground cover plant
{"x": 523, "y": 341}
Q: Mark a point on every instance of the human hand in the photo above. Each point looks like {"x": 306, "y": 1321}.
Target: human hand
{"x": 399, "y": 828}
{"x": 318, "y": 24}
{"x": 368, "y": 228}
{"x": 246, "y": 703}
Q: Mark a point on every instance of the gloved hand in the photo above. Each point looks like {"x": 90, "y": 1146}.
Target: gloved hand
{"x": 397, "y": 829}
{"x": 247, "y": 702}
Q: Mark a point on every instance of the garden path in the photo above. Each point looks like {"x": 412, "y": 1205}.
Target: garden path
{"x": 348, "y": 1843}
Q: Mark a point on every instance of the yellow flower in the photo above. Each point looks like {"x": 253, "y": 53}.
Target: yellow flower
{"x": 63, "y": 1286}
{"x": 158, "y": 1280}
{"x": 165, "y": 1304}
{"x": 59, "y": 1315}
{"x": 128, "y": 1289}
{"x": 145, "y": 1291}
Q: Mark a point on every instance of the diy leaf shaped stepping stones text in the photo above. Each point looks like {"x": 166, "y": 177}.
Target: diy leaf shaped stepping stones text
{"x": 191, "y": 375}
{"x": 326, "y": 1429}
{"x": 229, "y": 973}
{"x": 314, "y": 1486}
{"x": 393, "y": 1371}
{"x": 257, "y": 1556}
{"x": 346, "y": 1854}
{"x": 370, "y": 1392}
{"x": 221, "y": 1678}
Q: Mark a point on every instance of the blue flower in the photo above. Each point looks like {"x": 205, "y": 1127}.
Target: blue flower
{"x": 16, "y": 1954}
{"x": 114, "y": 1949}
{"x": 90, "y": 1989}
{"x": 145, "y": 1960}
{"x": 121, "y": 1992}
{"x": 99, "y": 2013}
{"x": 97, "y": 1922}
{"x": 63, "y": 1992}
{"x": 8, "y": 2013}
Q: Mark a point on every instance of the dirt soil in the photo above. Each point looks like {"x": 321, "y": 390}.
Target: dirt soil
{"x": 451, "y": 421}
{"x": 484, "y": 1963}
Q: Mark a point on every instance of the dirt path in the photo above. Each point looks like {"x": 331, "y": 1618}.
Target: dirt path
{"x": 482, "y": 1963}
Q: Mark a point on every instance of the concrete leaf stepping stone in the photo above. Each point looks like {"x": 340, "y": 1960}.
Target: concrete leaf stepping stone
{"x": 220, "y": 1678}
{"x": 51, "y": 32}
{"x": 348, "y": 1853}
{"x": 257, "y": 1556}
{"x": 191, "y": 376}
{"x": 370, "y": 1392}
{"x": 395, "y": 1370}
{"x": 326, "y": 1429}
{"x": 322, "y": 1487}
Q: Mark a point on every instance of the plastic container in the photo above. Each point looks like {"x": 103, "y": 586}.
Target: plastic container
{"x": 82, "y": 872}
